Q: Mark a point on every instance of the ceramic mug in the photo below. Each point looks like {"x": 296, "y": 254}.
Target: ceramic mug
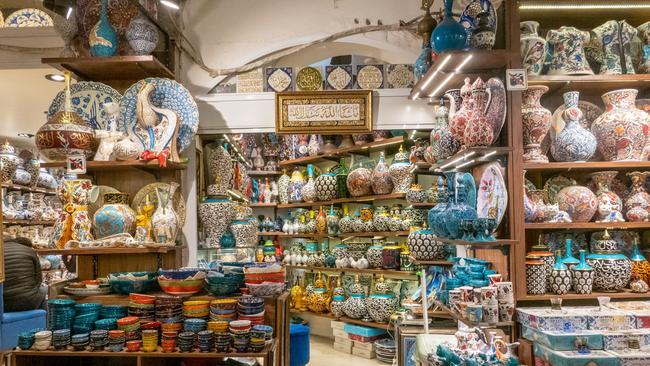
{"x": 467, "y": 293}
{"x": 494, "y": 279}
{"x": 489, "y": 295}
{"x": 504, "y": 291}
{"x": 455, "y": 297}
{"x": 506, "y": 311}
{"x": 490, "y": 313}
{"x": 475, "y": 313}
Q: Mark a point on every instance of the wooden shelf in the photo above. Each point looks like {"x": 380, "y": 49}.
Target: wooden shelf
{"x": 480, "y": 62}
{"x": 361, "y": 199}
{"x": 479, "y": 244}
{"x": 254, "y": 173}
{"x": 106, "y": 251}
{"x": 423, "y": 204}
{"x": 587, "y": 225}
{"x": 121, "y": 165}
{"x": 337, "y": 153}
{"x": 27, "y": 222}
{"x": 591, "y": 84}
{"x": 626, "y": 294}
{"x": 254, "y": 205}
{"x": 475, "y": 155}
{"x": 344, "y": 319}
{"x": 17, "y": 187}
{"x": 342, "y": 235}
{"x": 111, "y": 68}
{"x": 375, "y": 271}
{"x": 433, "y": 263}
{"x": 588, "y": 165}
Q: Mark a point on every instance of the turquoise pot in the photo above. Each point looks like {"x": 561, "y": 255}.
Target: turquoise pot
{"x": 436, "y": 213}
{"x": 103, "y": 37}
{"x": 458, "y": 210}
{"x": 423, "y": 62}
{"x": 569, "y": 260}
{"x": 449, "y": 34}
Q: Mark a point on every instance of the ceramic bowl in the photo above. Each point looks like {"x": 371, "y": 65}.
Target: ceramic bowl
{"x": 179, "y": 274}
{"x": 126, "y": 286}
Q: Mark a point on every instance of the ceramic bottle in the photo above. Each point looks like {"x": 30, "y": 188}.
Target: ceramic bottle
{"x": 612, "y": 269}
{"x": 573, "y": 142}
{"x": 308, "y": 191}
{"x": 569, "y": 260}
{"x": 536, "y": 120}
{"x": 560, "y": 276}
{"x": 622, "y": 131}
{"x": 613, "y": 39}
{"x": 532, "y": 47}
{"x": 142, "y": 35}
{"x": 381, "y": 179}
{"x": 103, "y": 37}
{"x": 567, "y": 52}
{"x": 637, "y": 205}
{"x": 449, "y": 34}
{"x": 401, "y": 172}
{"x": 295, "y": 186}
{"x": 458, "y": 211}
{"x": 583, "y": 276}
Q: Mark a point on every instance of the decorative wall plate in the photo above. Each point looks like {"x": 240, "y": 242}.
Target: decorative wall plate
{"x": 168, "y": 94}
{"x": 370, "y": 76}
{"x": 400, "y": 76}
{"x": 492, "y": 193}
{"x": 309, "y": 78}
{"x": 251, "y": 82}
{"x": 498, "y": 105}
{"x": 555, "y": 184}
{"x": 150, "y": 189}
{"x": 338, "y": 77}
{"x": 29, "y": 17}
{"x": 278, "y": 79}
{"x": 88, "y": 98}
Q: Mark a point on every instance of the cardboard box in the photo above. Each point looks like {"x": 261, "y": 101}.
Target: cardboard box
{"x": 340, "y": 333}
{"x": 343, "y": 347}
{"x": 363, "y": 353}
{"x": 335, "y": 324}
{"x": 344, "y": 340}
{"x": 368, "y": 346}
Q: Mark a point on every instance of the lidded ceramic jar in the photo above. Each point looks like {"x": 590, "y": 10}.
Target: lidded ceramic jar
{"x": 245, "y": 234}
{"x": 326, "y": 187}
{"x": 612, "y": 269}
{"x": 220, "y": 168}
{"x": 283, "y": 187}
{"x": 216, "y": 214}
{"x": 423, "y": 245}
{"x": 319, "y": 300}
{"x": 382, "y": 304}
{"x": 9, "y": 161}
{"x": 346, "y": 223}
{"x": 355, "y": 305}
{"x": 401, "y": 172}
{"x": 415, "y": 194}
{"x": 337, "y": 306}
{"x": 114, "y": 217}
{"x": 537, "y": 276}
{"x": 381, "y": 217}
{"x": 622, "y": 130}
{"x": 542, "y": 253}
{"x": 359, "y": 180}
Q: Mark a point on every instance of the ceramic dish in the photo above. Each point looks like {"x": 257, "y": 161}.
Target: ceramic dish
{"x": 87, "y": 291}
{"x": 88, "y": 99}
{"x": 150, "y": 190}
{"x": 492, "y": 194}
{"x": 128, "y": 282}
{"x": 29, "y": 17}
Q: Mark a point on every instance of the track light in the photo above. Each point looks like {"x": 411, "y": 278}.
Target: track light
{"x": 170, "y": 4}
{"x": 55, "y": 77}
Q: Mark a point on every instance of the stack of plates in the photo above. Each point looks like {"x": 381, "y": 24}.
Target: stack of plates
{"x": 241, "y": 334}
{"x": 61, "y": 338}
{"x": 149, "y": 340}
{"x": 186, "y": 341}
{"x": 142, "y": 306}
{"x": 206, "y": 340}
{"x": 42, "y": 340}
{"x": 386, "y": 350}
{"x": 98, "y": 339}
{"x": 168, "y": 341}
{"x": 131, "y": 327}
{"x": 223, "y": 309}
{"x": 194, "y": 325}
{"x": 268, "y": 331}
{"x": 86, "y": 316}
{"x": 169, "y": 312}
{"x": 116, "y": 340}
{"x": 222, "y": 340}
{"x": 106, "y": 324}
{"x": 196, "y": 309}
{"x": 25, "y": 340}
{"x": 80, "y": 341}
{"x": 251, "y": 308}
{"x": 60, "y": 314}
{"x": 113, "y": 312}
{"x": 258, "y": 338}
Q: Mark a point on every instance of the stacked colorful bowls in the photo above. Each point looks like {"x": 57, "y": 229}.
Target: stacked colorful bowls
{"x": 186, "y": 341}
{"x": 169, "y": 312}
{"x": 386, "y": 350}
{"x": 168, "y": 341}
{"x": 142, "y": 306}
{"x": 194, "y": 325}
{"x": 149, "y": 340}
{"x": 268, "y": 330}
{"x": 61, "y": 338}
{"x": 116, "y": 340}
{"x": 206, "y": 340}
{"x": 80, "y": 341}
{"x": 258, "y": 339}
{"x": 60, "y": 314}
{"x": 86, "y": 316}
{"x": 113, "y": 312}
{"x": 251, "y": 308}
{"x": 240, "y": 331}
{"x": 131, "y": 327}
{"x": 182, "y": 282}
{"x": 98, "y": 340}
{"x": 25, "y": 340}
{"x": 106, "y": 324}
{"x": 196, "y": 309}
{"x": 134, "y": 345}
{"x": 42, "y": 340}
{"x": 223, "y": 309}
{"x": 222, "y": 340}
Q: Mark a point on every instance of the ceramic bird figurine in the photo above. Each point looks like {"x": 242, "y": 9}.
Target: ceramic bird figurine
{"x": 157, "y": 128}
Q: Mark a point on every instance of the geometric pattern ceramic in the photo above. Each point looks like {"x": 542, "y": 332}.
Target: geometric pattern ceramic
{"x": 370, "y": 76}
{"x": 536, "y": 277}
{"x": 279, "y": 79}
{"x": 399, "y": 76}
{"x": 338, "y": 77}
{"x": 167, "y": 94}
{"x": 88, "y": 99}
{"x": 28, "y": 18}
{"x": 469, "y": 17}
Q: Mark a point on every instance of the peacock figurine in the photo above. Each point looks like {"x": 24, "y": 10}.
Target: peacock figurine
{"x": 157, "y": 128}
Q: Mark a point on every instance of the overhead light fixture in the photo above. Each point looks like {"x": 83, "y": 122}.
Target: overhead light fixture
{"x": 582, "y": 6}
{"x": 67, "y": 15}
{"x": 465, "y": 164}
{"x": 26, "y": 135}
{"x": 490, "y": 153}
{"x": 170, "y": 4}
{"x": 55, "y": 77}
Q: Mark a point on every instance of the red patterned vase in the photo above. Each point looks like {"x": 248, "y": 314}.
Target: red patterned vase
{"x": 536, "y": 121}
{"x": 458, "y": 117}
{"x": 578, "y": 201}
{"x": 478, "y": 129}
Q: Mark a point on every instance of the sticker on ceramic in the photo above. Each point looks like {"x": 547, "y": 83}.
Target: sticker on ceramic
{"x": 76, "y": 164}
{"x": 29, "y": 17}
{"x": 516, "y": 79}
{"x": 492, "y": 194}
{"x": 88, "y": 99}
{"x": 167, "y": 95}
{"x": 338, "y": 77}
{"x": 399, "y": 76}
{"x": 251, "y": 82}
{"x": 370, "y": 76}
{"x": 309, "y": 78}
{"x": 278, "y": 79}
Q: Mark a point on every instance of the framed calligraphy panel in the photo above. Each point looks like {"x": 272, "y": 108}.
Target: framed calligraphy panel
{"x": 326, "y": 112}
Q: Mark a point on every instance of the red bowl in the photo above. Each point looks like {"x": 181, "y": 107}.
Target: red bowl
{"x": 133, "y": 346}
{"x": 128, "y": 320}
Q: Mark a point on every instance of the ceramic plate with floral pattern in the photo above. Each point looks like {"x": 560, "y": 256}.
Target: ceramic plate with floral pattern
{"x": 492, "y": 193}
{"x": 29, "y": 17}
{"x": 88, "y": 99}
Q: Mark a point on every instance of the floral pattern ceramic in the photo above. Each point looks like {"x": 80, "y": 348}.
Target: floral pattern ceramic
{"x": 308, "y": 191}
{"x": 73, "y": 222}
{"x": 610, "y": 204}
{"x": 483, "y": 36}
{"x": 215, "y": 214}
{"x": 492, "y": 194}
{"x": 9, "y": 162}
{"x": 536, "y": 121}
{"x": 88, "y": 99}
{"x": 165, "y": 222}
{"x": 579, "y": 202}
{"x": 478, "y": 130}
{"x": 561, "y": 277}
{"x": 566, "y": 47}
{"x": 283, "y": 188}
{"x": 532, "y": 46}
{"x": 623, "y": 130}
{"x": 355, "y": 306}
{"x": 380, "y": 178}
{"x": 359, "y": 182}
{"x": 458, "y": 117}
{"x": 115, "y": 217}
{"x": 637, "y": 205}
{"x": 573, "y": 142}
{"x": 220, "y": 168}
{"x": 401, "y": 172}
{"x": 380, "y": 307}
{"x": 29, "y": 17}
{"x": 296, "y": 183}
{"x": 613, "y": 39}
{"x": 142, "y": 35}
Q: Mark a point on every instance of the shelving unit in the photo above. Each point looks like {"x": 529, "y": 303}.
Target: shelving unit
{"x": 591, "y": 84}
{"x": 626, "y": 294}
{"x": 111, "y": 68}
{"x": 371, "y": 198}
{"x": 344, "y": 319}
{"x": 26, "y": 222}
{"x": 555, "y": 167}
{"x": 470, "y": 158}
{"x": 342, "y": 235}
{"x": 586, "y": 225}
{"x": 110, "y": 251}
{"x": 93, "y": 166}
{"x": 386, "y": 272}
{"x": 16, "y": 187}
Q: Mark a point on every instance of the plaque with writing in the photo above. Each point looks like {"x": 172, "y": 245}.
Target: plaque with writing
{"x": 251, "y": 82}
{"x": 324, "y": 112}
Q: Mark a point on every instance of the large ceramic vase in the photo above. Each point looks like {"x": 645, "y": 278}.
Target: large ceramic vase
{"x": 115, "y": 217}
{"x": 380, "y": 178}
{"x": 216, "y": 213}
{"x": 458, "y": 211}
{"x": 479, "y": 131}
{"x": 308, "y": 191}
{"x": 583, "y": 276}
{"x": 9, "y": 162}
{"x": 536, "y": 121}
{"x": 610, "y": 205}
{"x": 381, "y": 306}
{"x": 326, "y": 188}
{"x": 458, "y": 117}
{"x": 532, "y": 47}
{"x": 220, "y": 168}
{"x": 637, "y": 204}
{"x": 449, "y": 34}
{"x": 613, "y": 39}
{"x": 622, "y": 130}
{"x": 442, "y": 144}
{"x": 640, "y": 265}
{"x": 283, "y": 188}
{"x": 612, "y": 269}
{"x": 423, "y": 246}
{"x": 573, "y": 142}
{"x": 578, "y": 201}
{"x": 561, "y": 279}
{"x": 567, "y": 54}
{"x": 102, "y": 38}
{"x": 164, "y": 220}
{"x": 73, "y": 222}
{"x": 142, "y": 35}
{"x": 401, "y": 172}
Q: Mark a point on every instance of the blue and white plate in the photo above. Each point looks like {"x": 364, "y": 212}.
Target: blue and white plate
{"x": 168, "y": 95}
{"x": 88, "y": 99}
{"x": 29, "y": 17}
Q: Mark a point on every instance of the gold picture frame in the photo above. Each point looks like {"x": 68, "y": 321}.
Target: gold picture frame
{"x": 324, "y": 112}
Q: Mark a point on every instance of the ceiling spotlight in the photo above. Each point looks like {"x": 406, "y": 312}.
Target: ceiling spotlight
{"x": 26, "y": 135}
{"x": 67, "y": 15}
{"x": 55, "y": 77}
{"x": 170, "y": 4}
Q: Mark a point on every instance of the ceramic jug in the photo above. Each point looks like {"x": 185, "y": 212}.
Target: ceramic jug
{"x": 572, "y": 142}
{"x": 478, "y": 131}
{"x": 458, "y": 117}
{"x": 532, "y": 47}
{"x": 165, "y": 220}
{"x": 566, "y": 46}
{"x": 613, "y": 41}
{"x": 536, "y": 120}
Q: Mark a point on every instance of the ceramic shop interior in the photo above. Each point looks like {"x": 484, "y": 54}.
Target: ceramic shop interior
{"x": 423, "y": 182}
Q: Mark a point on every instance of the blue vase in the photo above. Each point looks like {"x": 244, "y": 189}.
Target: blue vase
{"x": 458, "y": 210}
{"x": 437, "y": 210}
{"x": 569, "y": 260}
{"x": 467, "y": 180}
{"x": 103, "y": 37}
{"x": 449, "y": 34}
{"x": 423, "y": 62}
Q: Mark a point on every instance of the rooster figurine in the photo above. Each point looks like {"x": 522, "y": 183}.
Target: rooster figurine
{"x": 157, "y": 128}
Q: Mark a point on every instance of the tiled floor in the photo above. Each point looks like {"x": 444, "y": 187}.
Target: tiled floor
{"x": 323, "y": 354}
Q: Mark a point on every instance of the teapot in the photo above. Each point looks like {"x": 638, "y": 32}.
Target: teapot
{"x": 479, "y": 129}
